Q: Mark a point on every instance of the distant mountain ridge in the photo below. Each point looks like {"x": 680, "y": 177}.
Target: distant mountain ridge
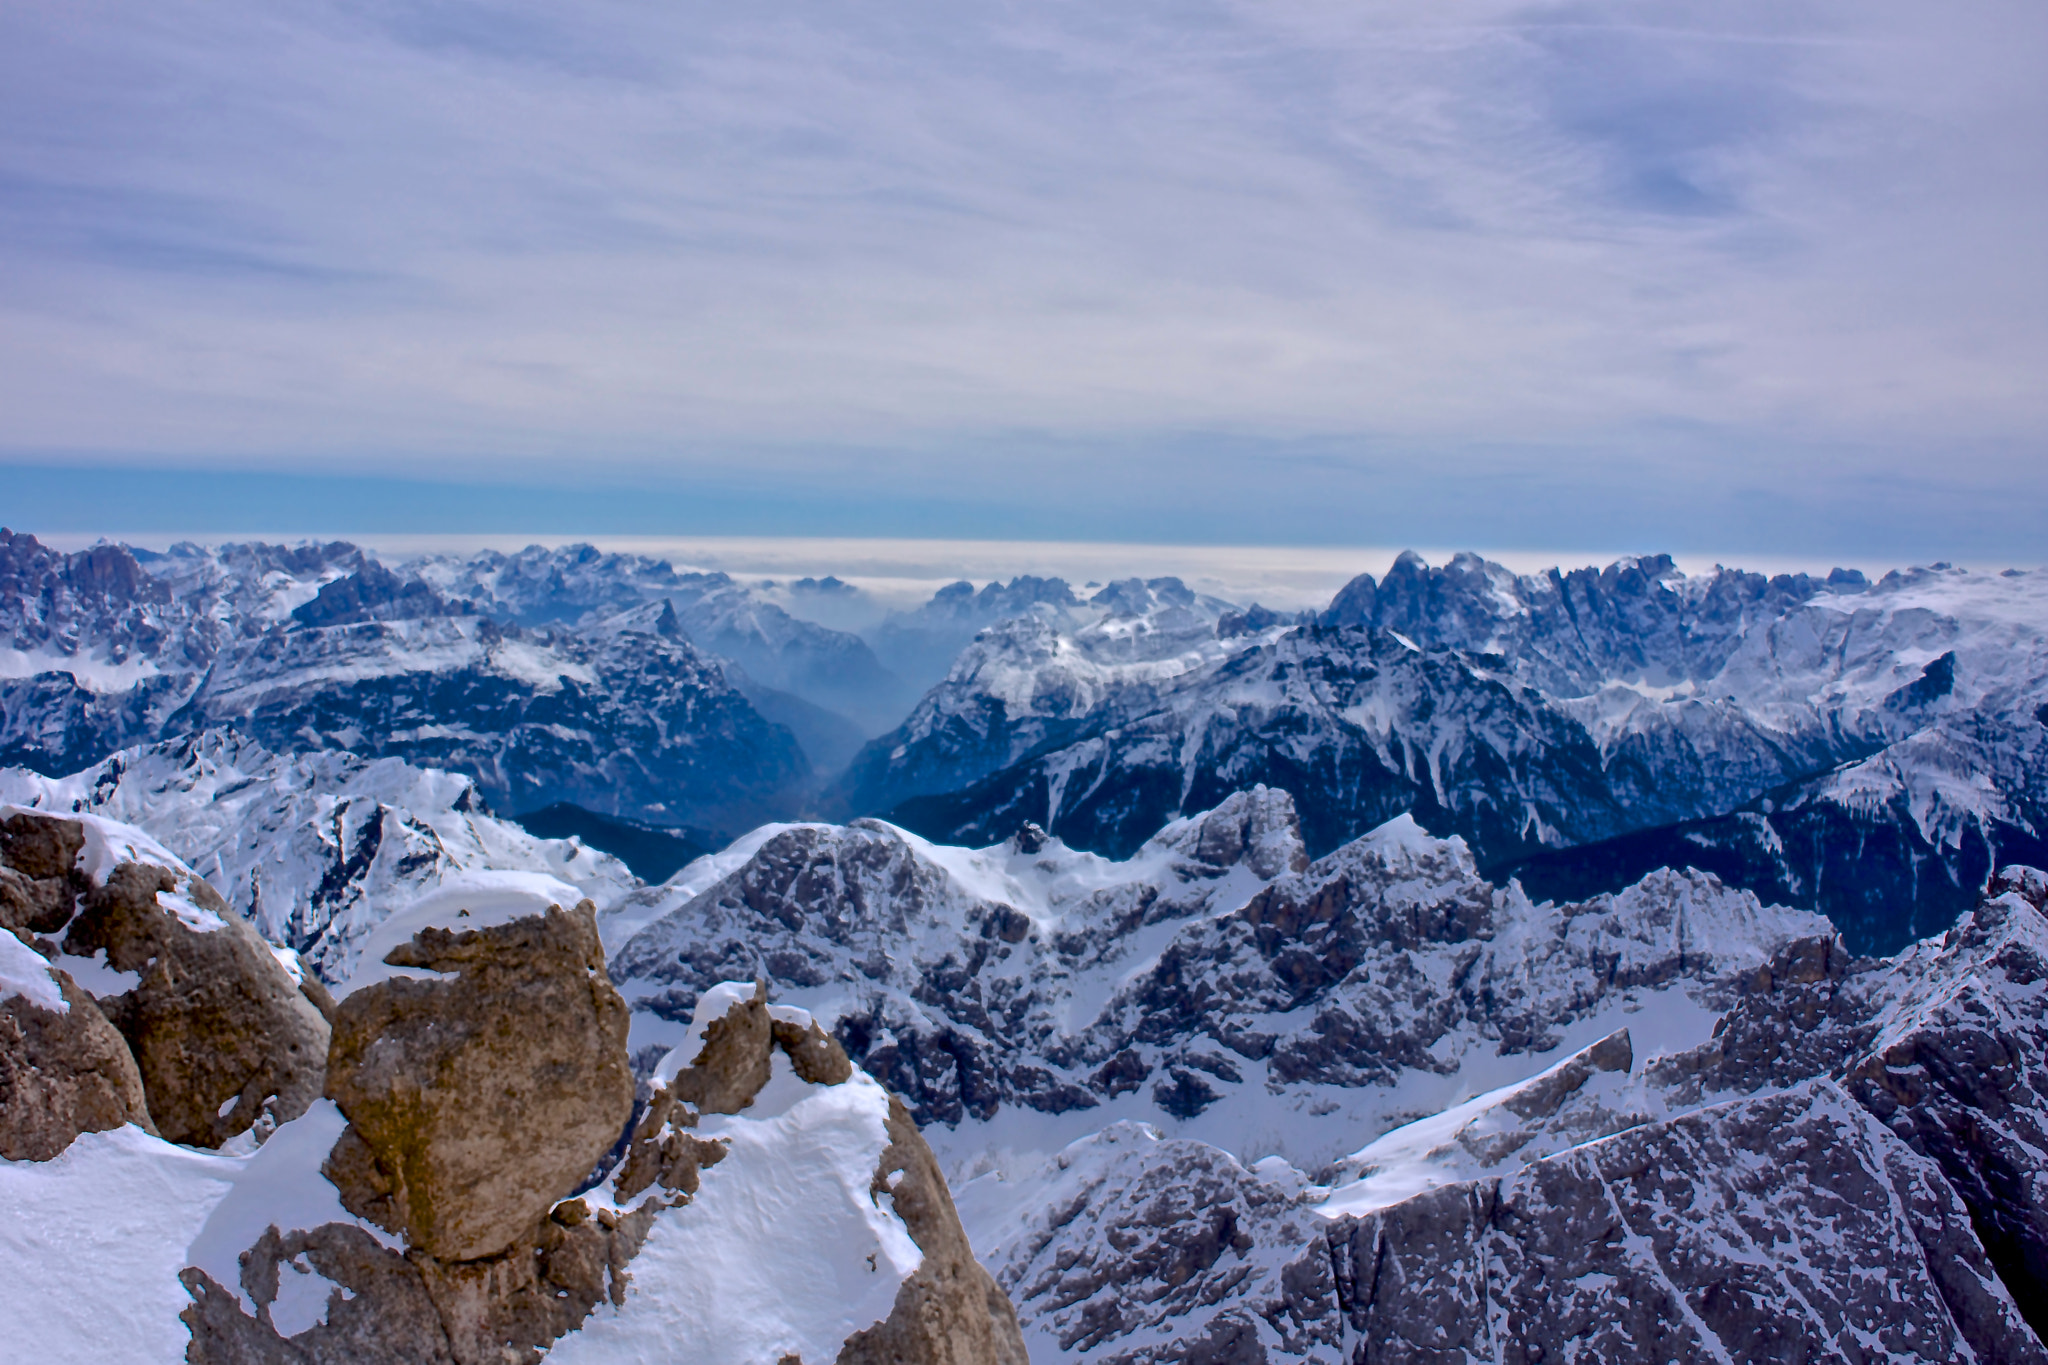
{"x": 1577, "y": 728}
{"x": 1535, "y": 715}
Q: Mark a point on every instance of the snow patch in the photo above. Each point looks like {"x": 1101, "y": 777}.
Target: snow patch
{"x": 278, "y": 1185}
{"x": 25, "y": 972}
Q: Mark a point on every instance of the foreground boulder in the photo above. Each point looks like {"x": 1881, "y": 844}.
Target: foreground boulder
{"x": 477, "y": 1103}
{"x": 494, "y": 1187}
{"x": 64, "y": 1070}
{"x": 222, "y": 1032}
{"x": 191, "y": 1020}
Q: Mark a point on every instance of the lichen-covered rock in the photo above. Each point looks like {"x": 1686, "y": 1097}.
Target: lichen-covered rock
{"x": 383, "y": 1316}
{"x": 479, "y": 1100}
{"x": 392, "y": 1308}
{"x": 949, "y": 1311}
{"x": 814, "y": 1054}
{"x": 663, "y": 1151}
{"x": 39, "y": 877}
{"x": 221, "y": 1032}
{"x": 62, "y": 1072}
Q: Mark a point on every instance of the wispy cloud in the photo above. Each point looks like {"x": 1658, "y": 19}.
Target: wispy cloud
{"x": 1670, "y": 259}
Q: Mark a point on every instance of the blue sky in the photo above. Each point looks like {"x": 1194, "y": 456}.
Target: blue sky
{"x": 1724, "y": 277}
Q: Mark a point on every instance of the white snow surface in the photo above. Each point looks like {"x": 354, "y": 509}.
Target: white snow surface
{"x": 1482, "y": 1136}
{"x": 785, "y": 1250}
{"x": 91, "y": 1244}
{"x": 92, "y": 670}
{"x": 26, "y": 973}
{"x": 278, "y": 1185}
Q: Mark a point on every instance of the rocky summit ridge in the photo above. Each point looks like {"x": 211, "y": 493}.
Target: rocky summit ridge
{"x": 455, "y": 1162}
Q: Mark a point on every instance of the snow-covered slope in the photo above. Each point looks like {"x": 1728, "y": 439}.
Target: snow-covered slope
{"x": 1828, "y": 1171}
{"x": 317, "y": 850}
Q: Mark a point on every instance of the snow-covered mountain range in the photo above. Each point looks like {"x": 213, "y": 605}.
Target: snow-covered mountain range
{"x": 1187, "y": 1096}
{"x": 316, "y": 850}
{"x": 1579, "y": 730}
{"x": 1194, "y": 1103}
{"x": 1869, "y": 749}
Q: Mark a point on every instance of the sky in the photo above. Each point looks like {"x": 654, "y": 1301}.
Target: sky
{"x": 1731, "y": 278}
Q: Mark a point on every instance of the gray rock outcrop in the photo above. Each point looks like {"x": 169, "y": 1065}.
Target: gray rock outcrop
{"x": 1858, "y": 1178}
{"x": 1790, "y": 1226}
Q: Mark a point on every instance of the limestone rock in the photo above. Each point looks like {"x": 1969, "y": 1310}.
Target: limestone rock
{"x": 478, "y": 1101}
{"x": 39, "y": 878}
{"x": 1790, "y": 1226}
{"x": 62, "y": 1073}
{"x": 41, "y": 847}
{"x": 814, "y": 1054}
{"x": 733, "y": 1063}
{"x": 949, "y": 1311}
{"x": 221, "y": 1033}
{"x": 384, "y": 1316}
{"x": 389, "y": 1308}
{"x": 661, "y": 1150}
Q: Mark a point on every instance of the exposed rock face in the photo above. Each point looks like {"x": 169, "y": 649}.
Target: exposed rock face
{"x": 216, "y": 1033}
{"x": 386, "y": 1318}
{"x": 1141, "y": 1250}
{"x": 734, "y": 1061}
{"x": 949, "y": 1311}
{"x": 478, "y": 1102}
{"x": 1877, "y": 1194}
{"x": 62, "y": 1073}
{"x": 39, "y": 881}
{"x": 1678, "y": 1241}
{"x": 1959, "y": 1070}
{"x": 402, "y": 1309}
{"x": 221, "y": 1032}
